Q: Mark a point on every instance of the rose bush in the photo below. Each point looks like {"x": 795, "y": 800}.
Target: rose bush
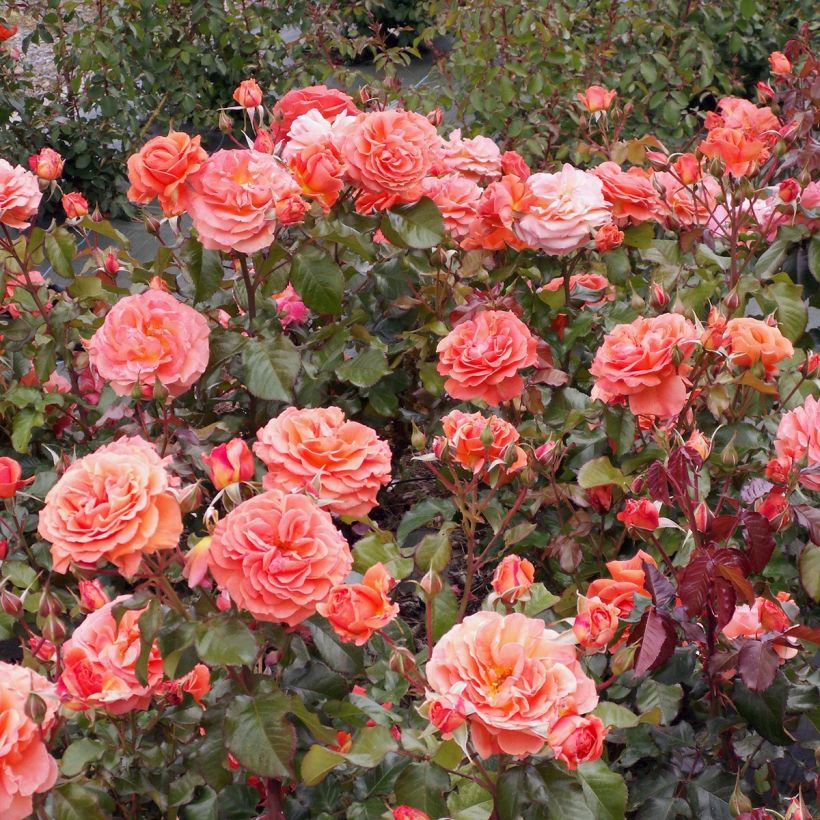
{"x": 411, "y": 482}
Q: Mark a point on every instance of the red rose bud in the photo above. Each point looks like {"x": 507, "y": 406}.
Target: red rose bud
{"x": 11, "y": 604}
{"x": 41, "y": 648}
{"x": 544, "y": 453}
{"x": 779, "y": 63}
{"x": 513, "y": 163}
{"x": 344, "y": 740}
{"x": 111, "y": 264}
{"x": 764, "y": 92}
{"x": 4, "y": 549}
{"x": 775, "y": 507}
{"x": 687, "y": 168}
{"x": 10, "y": 482}
{"x": 54, "y": 629}
{"x": 223, "y": 601}
{"x": 812, "y": 364}
{"x": 658, "y": 297}
{"x": 640, "y": 514}
{"x": 263, "y": 142}
{"x": 435, "y": 117}
{"x": 47, "y": 165}
{"x": 703, "y": 516}
{"x": 778, "y": 470}
{"x": 75, "y": 205}
{"x": 596, "y": 98}
{"x": 409, "y": 813}
{"x": 788, "y": 190}
{"x": 7, "y": 32}
{"x": 92, "y": 595}
{"x": 600, "y": 498}
{"x": 700, "y": 444}
{"x": 229, "y": 463}
{"x": 608, "y": 238}
{"x": 248, "y": 94}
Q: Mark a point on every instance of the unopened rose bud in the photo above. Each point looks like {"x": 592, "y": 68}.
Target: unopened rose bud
{"x": 729, "y": 455}
{"x": 152, "y": 225}
{"x": 797, "y": 809}
{"x": 608, "y": 237}
{"x": 223, "y": 601}
{"x": 700, "y": 444}
{"x": 402, "y": 661}
{"x": 596, "y": 98}
{"x": 545, "y": 452}
{"x": 703, "y": 516}
{"x": 431, "y": 584}
{"x": 4, "y": 549}
{"x": 780, "y": 63}
{"x": 92, "y": 595}
{"x": 764, "y": 92}
{"x": 731, "y": 300}
{"x": 189, "y": 497}
{"x": 811, "y": 365}
{"x": 225, "y": 122}
{"x": 637, "y": 302}
{"x": 160, "y": 392}
{"x": 96, "y": 214}
{"x": 435, "y": 117}
{"x": 623, "y": 659}
{"x": 111, "y": 264}
{"x": 36, "y": 708}
{"x": 74, "y": 205}
{"x": 263, "y": 142}
{"x": 47, "y": 165}
{"x": 50, "y": 604}
{"x": 637, "y": 485}
{"x": 417, "y": 439}
{"x": 739, "y": 802}
{"x": 687, "y": 169}
{"x": 658, "y": 297}
{"x": 11, "y": 604}
{"x": 248, "y": 94}
{"x": 54, "y": 629}
{"x": 229, "y": 463}
{"x": 513, "y": 579}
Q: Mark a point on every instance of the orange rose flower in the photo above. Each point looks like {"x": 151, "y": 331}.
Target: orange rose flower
{"x": 99, "y": 664}
{"x": 576, "y": 740}
{"x": 779, "y": 63}
{"x": 329, "y": 102}
{"x": 319, "y": 451}
{"x": 278, "y": 556}
{"x": 150, "y": 337}
{"x": 686, "y": 206}
{"x": 26, "y": 767}
{"x": 74, "y": 205}
{"x": 595, "y": 624}
{"x": 465, "y": 434}
{"x": 19, "y": 196}
{"x": 638, "y": 362}
{"x": 161, "y": 168}
{"x": 516, "y": 675}
{"x": 356, "y": 611}
{"x": 248, "y": 94}
{"x": 798, "y": 439}
{"x": 741, "y": 155}
{"x": 513, "y": 578}
{"x": 628, "y": 579}
{"x": 318, "y": 172}
{"x": 197, "y": 683}
{"x": 631, "y": 193}
{"x": 500, "y": 202}
{"x": 457, "y": 198}
{"x": 639, "y": 514}
{"x": 481, "y": 357}
{"x": 596, "y": 98}
{"x": 753, "y": 340}
{"x": 756, "y": 122}
{"x": 47, "y": 165}
{"x": 755, "y": 621}
{"x": 114, "y": 505}
{"x": 388, "y": 154}
{"x": 608, "y": 237}
{"x": 475, "y": 158}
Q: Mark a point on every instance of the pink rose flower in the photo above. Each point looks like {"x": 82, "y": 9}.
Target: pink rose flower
{"x": 755, "y": 621}
{"x": 517, "y": 676}
{"x": 639, "y": 514}
{"x": 74, "y": 205}
{"x": 474, "y": 157}
{"x": 148, "y": 337}
{"x": 594, "y": 282}
{"x": 513, "y": 578}
{"x": 292, "y": 309}
{"x": 26, "y": 767}
{"x": 329, "y": 102}
{"x": 595, "y": 624}
{"x": 755, "y": 121}
{"x": 99, "y": 663}
{"x": 482, "y": 357}
{"x": 114, "y": 505}
{"x": 229, "y": 463}
{"x": 576, "y": 739}
{"x": 566, "y": 210}
{"x": 500, "y": 203}
{"x": 684, "y": 206}
{"x": 19, "y": 195}
{"x": 311, "y": 129}
{"x": 457, "y": 198}
{"x": 638, "y": 362}
{"x": 596, "y": 98}
{"x": 321, "y": 452}
{"x": 238, "y": 198}
{"x": 630, "y": 193}
{"x": 798, "y": 439}
{"x": 278, "y": 556}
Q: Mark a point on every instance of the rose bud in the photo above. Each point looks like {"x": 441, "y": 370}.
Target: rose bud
{"x": 10, "y": 472}
{"x": 778, "y": 470}
{"x": 545, "y": 451}
{"x": 513, "y": 163}
{"x": 435, "y": 117}
{"x": 658, "y": 297}
{"x": 10, "y": 603}
{"x": 703, "y": 516}
{"x": 54, "y": 629}
{"x": 263, "y": 142}
{"x": 7, "y": 32}
{"x": 595, "y": 624}
{"x": 47, "y": 165}
{"x": 687, "y": 168}
{"x": 223, "y": 601}
{"x": 575, "y": 739}
{"x": 811, "y": 365}
{"x": 75, "y": 205}
{"x": 640, "y": 514}
{"x": 608, "y": 238}
{"x": 764, "y": 92}
{"x": 797, "y": 809}
{"x": 788, "y": 190}
{"x": 36, "y": 708}
{"x": 446, "y": 714}
{"x": 225, "y": 122}
{"x": 42, "y": 649}
{"x": 92, "y": 595}
{"x": 111, "y": 264}
{"x": 409, "y": 813}
{"x": 513, "y": 579}
{"x": 596, "y": 98}
{"x": 700, "y": 444}
{"x": 4, "y": 549}
{"x": 248, "y": 94}
{"x": 229, "y": 463}
{"x": 600, "y": 498}
{"x": 775, "y": 507}
{"x": 344, "y": 740}
{"x": 431, "y": 584}
{"x": 779, "y": 63}
{"x": 195, "y": 568}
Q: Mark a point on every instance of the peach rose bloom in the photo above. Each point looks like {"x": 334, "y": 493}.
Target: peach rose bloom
{"x": 99, "y": 662}
{"x": 566, "y": 210}
{"x": 755, "y": 621}
{"x": 148, "y": 337}
{"x": 457, "y": 198}
{"x": 248, "y": 94}
{"x": 463, "y": 433}
{"x": 575, "y": 740}
{"x": 686, "y": 206}
{"x": 329, "y": 102}
{"x": 481, "y": 357}
{"x": 197, "y": 683}
{"x": 75, "y": 205}
{"x": 321, "y": 452}
{"x": 160, "y": 169}
{"x": 585, "y": 281}
{"x": 114, "y": 505}
{"x": 19, "y": 195}
{"x": 292, "y": 310}
{"x": 513, "y": 578}
{"x": 740, "y": 154}
{"x": 474, "y": 157}
{"x": 628, "y": 579}
{"x": 238, "y": 198}
{"x": 596, "y": 98}
{"x": 779, "y": 63}
{"x": 26, "y": 767}
{"x": 496, "y": 212}
{"x": 798, "y": 439}
{"x": 517, "y": 677}
{"x": 753, "y": 340}
{"x": 637, "y": 362}
{"x": 357, "y": 611}
{"x": 757, "y": 122}
{"x": 388, "y": 154}
{"x": 609, "y": 237}
{"x": 47, "y": 165}
{"x": 278, "y": 556}
{"x": 595, "y": 624}
{"x": 630, "y": 193}
{"x": 317, "y": 170}
{"x": 311, "y": 129}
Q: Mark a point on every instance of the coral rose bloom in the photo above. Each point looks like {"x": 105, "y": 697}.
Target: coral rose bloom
{"x": 630, "y": 193}
{"x": 636, "y": 361}
{"x": 740, "y": 154}
{"x": 595, "y": 624}
{"x": 481, "y": 357}
{"x": 628, "y": 579}
{"x": 99, "y": 662}
{"x": 565, "y": 211}
{"x": 26, "y": 767}
{"x": 576, "y": 740}
{"x": 148, "y": 337}
{"x": 753, "y": 340}
{"x": 19, "y": 195}
{"x": 474, "y": 158}
{"x": 584, "y": 281}
{"x": 755, "y": 621}
{"x": 685, "y": 206}
{"x": 318, "y": 172}
{"x": 113, "y": 505}
{"x": 798, "y": 438}
{"x": 356, "y": 611}
{"x": 757, "y": 122}
{"x": 320, "y": 451}
{"x": 278, "y": 556}
{"x": 463, "y": 433}
{"x": 639, "y": 514}
{"x": 160, "y": 169}
{"x": 388, "y": 154}
{"x": 515, "y": 675}
{"x": 457, "y": 198}
{"x": 327, "y": 101}
{"x": 496, "y": 211}
{"x": 234, "y": 199}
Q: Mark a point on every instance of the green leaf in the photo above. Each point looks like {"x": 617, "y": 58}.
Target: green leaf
{"x": 414, "y": 226}
{"x": 270, "y": 368}
{"x": 814, "y": 257}
{"x": 318, "y": 279}
{"x": 370, "y": 746}
{"x": 615, "y": 715}
{"x": 381, "y": 547}
{"x": 22, "y": 427}
{"x": 345, "y": 658}
{"x": 667, "y": 697}
{"x": 810, "y": 570}
{"x": 422, "y": 786}
{"x": 433, "y": 551}
{"x": 769, "y": 261}
{"x": 149, "y": 623}
{"x": 105, "y": 229}
{"x": 748, "y": 8}
{"x": 61, "y": 250}
{"x": 74, "y": 801}
{"x": 445, "y": 611}
{"x": 600, "y": 471}
{"x": 639, "y": 236}
{"x": 85, "y": 287}
{"x": 423, "y": 513}
{"x": 226, "y": 643}
{"x": 364, "y": 369}
{"x": 765, "y": 710}
{"x": 259, "y": 736}
{"x": 205, "y": 269}
{"x": 786, "y": 299}
{"x": 604, "y": 790}
{"x": 565, "y": 798}
{"x": 317, "y": 762}
{"x": 79, "y": 754}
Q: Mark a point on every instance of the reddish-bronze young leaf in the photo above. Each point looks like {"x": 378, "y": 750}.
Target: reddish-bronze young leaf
{"x": 757, "y": 663}
{"x": 658, "y": 641}
{"x": 659, "y": 586}
{"x": 721, "y": 527}
{"x": 808, "y": 517}
{"x": 736, "y": 578}
{"x": 695, "y": 581}
{"x": 805, "y": 633}
{"x": 657, "y": 482}
{"x": 759, "y": 540}
{"x": 723, "y": 599}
